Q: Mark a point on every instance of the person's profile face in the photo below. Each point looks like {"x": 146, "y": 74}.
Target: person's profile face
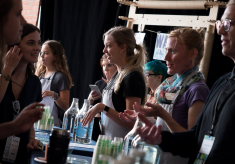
{"x": 13, "y": 27}
{"x": 177, "y": 57}
{"x": 228, "y": 37}
{"x": 47, "y": 57}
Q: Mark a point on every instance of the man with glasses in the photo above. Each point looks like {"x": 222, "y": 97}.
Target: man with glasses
{"x": 211, "y": 139}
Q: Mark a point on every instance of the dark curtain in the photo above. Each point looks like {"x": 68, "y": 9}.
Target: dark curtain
{"x": 79, "y": 26}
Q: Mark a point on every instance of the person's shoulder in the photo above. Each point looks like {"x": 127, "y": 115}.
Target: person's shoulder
{"x": 99, "y": 82}
{"x": 200, "y": 84}
{"x": 134, "y": 74}
{"x": 60, "y": 75}
{"x": 34, "y": 78}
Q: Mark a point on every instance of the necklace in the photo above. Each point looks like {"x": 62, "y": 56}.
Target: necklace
{"x": 18, "y": 84}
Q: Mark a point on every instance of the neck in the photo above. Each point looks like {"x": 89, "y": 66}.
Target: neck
{"x": 121, "y": 65}
{"x": 188, "y": 68}
{"x": 153, "y": 88}
{"x": 50, "y": 69}
{"x": 21, "y": 69}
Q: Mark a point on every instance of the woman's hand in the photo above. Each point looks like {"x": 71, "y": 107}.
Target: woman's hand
{"x": 91, "y": 113}
{"x": 11, "y": 60}
{"x": 33, "y": 144}
{"x": 149, "y": 133}
{"x": 28, "y": 117}
{"x": 94, "y": 95}
{"x": 152, "y": 110}
{"x": 47, "y": 93}
{"x": 128, "y": 116}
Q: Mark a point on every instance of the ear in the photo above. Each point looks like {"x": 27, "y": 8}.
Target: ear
{"x": 123, "y": 47}
{"x": 193, "y": 54}
{"x": 159, "y": 77}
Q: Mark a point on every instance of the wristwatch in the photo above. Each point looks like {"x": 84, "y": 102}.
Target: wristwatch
{"x": 55, "y": 96}
{"x": 7, "y": 77}
{"x": 106, "y": 109}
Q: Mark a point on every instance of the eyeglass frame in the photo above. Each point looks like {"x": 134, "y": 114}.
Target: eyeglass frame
{"x": 222, "y": 22}
{"x": 147, "y": 74}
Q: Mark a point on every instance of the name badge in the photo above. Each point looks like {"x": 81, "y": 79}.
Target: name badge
{"x": 170, "y": 96}
{"x": 205, "y": 150}
{"x": 11, "y": 149}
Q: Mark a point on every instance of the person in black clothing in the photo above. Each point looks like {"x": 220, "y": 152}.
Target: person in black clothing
{"x": 126, "y": 86}
{"x": 10, "y": 31}
{"x": 23, "y": 89}
{"x": 108, "y": 71}
{"x": 217, "y": 117}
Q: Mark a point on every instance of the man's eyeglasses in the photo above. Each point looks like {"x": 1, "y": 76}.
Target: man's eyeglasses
{"x": 16, "y": 107}
{"x": 225, "y": 23}
{"x": 147, "y": 75}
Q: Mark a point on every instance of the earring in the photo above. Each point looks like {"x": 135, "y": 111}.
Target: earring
{"x": 120, "y": 52}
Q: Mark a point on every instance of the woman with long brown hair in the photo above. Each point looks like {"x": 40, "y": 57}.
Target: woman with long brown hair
{"x": 22, "y": 89}
{"x": 53, "y": 72}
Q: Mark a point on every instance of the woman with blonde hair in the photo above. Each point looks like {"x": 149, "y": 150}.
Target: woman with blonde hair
{"x": 55, "y": 78}
{"x": 181, "y": 97}
{"x": 126, "y": 86}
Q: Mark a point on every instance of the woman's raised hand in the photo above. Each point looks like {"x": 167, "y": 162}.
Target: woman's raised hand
{"x": 152, "y": 110}
{"x": 94, "y": 95}
{"x": 12, "y": 59}
{"x": 128, "y": 116}
{"x": 149, "y": 133}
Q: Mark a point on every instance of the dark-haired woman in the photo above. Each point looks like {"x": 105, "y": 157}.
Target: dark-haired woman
{"x": 23, "y": 89}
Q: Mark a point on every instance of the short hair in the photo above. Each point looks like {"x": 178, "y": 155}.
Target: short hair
{"x": 104, "y": 56}
{"x": 157, "y": 67}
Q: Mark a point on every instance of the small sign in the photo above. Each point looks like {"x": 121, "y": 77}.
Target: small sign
{"x": 139, "y": 37}
{"x": 160, "y": 51}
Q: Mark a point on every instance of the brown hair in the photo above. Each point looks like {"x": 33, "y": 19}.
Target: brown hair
{"x": 5, "y": 7}
{"x": 102, "y": 58}
{"x": 191, "y": 39}
{"x": 136, "y": 54}
{"x": 28, "y": 29}
{"x": 231, "y": 2}
{"x": 60, "y": 62}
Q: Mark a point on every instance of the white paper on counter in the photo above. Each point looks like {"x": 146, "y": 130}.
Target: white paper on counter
{"x": 82, "y": 145}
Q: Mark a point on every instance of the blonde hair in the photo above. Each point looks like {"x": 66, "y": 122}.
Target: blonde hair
{"x": 136, "y": 54}
{"x": 60, "y": 62}
{"x": 191, "y": 39}
{"x": 231, "y": 2}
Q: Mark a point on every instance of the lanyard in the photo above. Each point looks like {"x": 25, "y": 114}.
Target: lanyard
{"x": 216, "y": 109}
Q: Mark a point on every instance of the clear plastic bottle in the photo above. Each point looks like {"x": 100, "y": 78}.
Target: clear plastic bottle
{"x": 69, "y": 116}
{"x": 83, "y": 134}
{"x": 129, "y": 137}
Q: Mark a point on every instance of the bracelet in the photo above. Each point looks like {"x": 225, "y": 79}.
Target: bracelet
{"x": 55, "y": 96}
{"x": 7, "y": 77}
{"x": 106, "y": 109}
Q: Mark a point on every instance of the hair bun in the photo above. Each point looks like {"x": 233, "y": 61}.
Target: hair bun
{"x": 201, "y": 31}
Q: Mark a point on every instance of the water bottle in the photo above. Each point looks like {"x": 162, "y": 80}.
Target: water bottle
{"x": 69, "y": 116}
{"x": 83, "y": 134}
{"x": 129, "y": 137}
